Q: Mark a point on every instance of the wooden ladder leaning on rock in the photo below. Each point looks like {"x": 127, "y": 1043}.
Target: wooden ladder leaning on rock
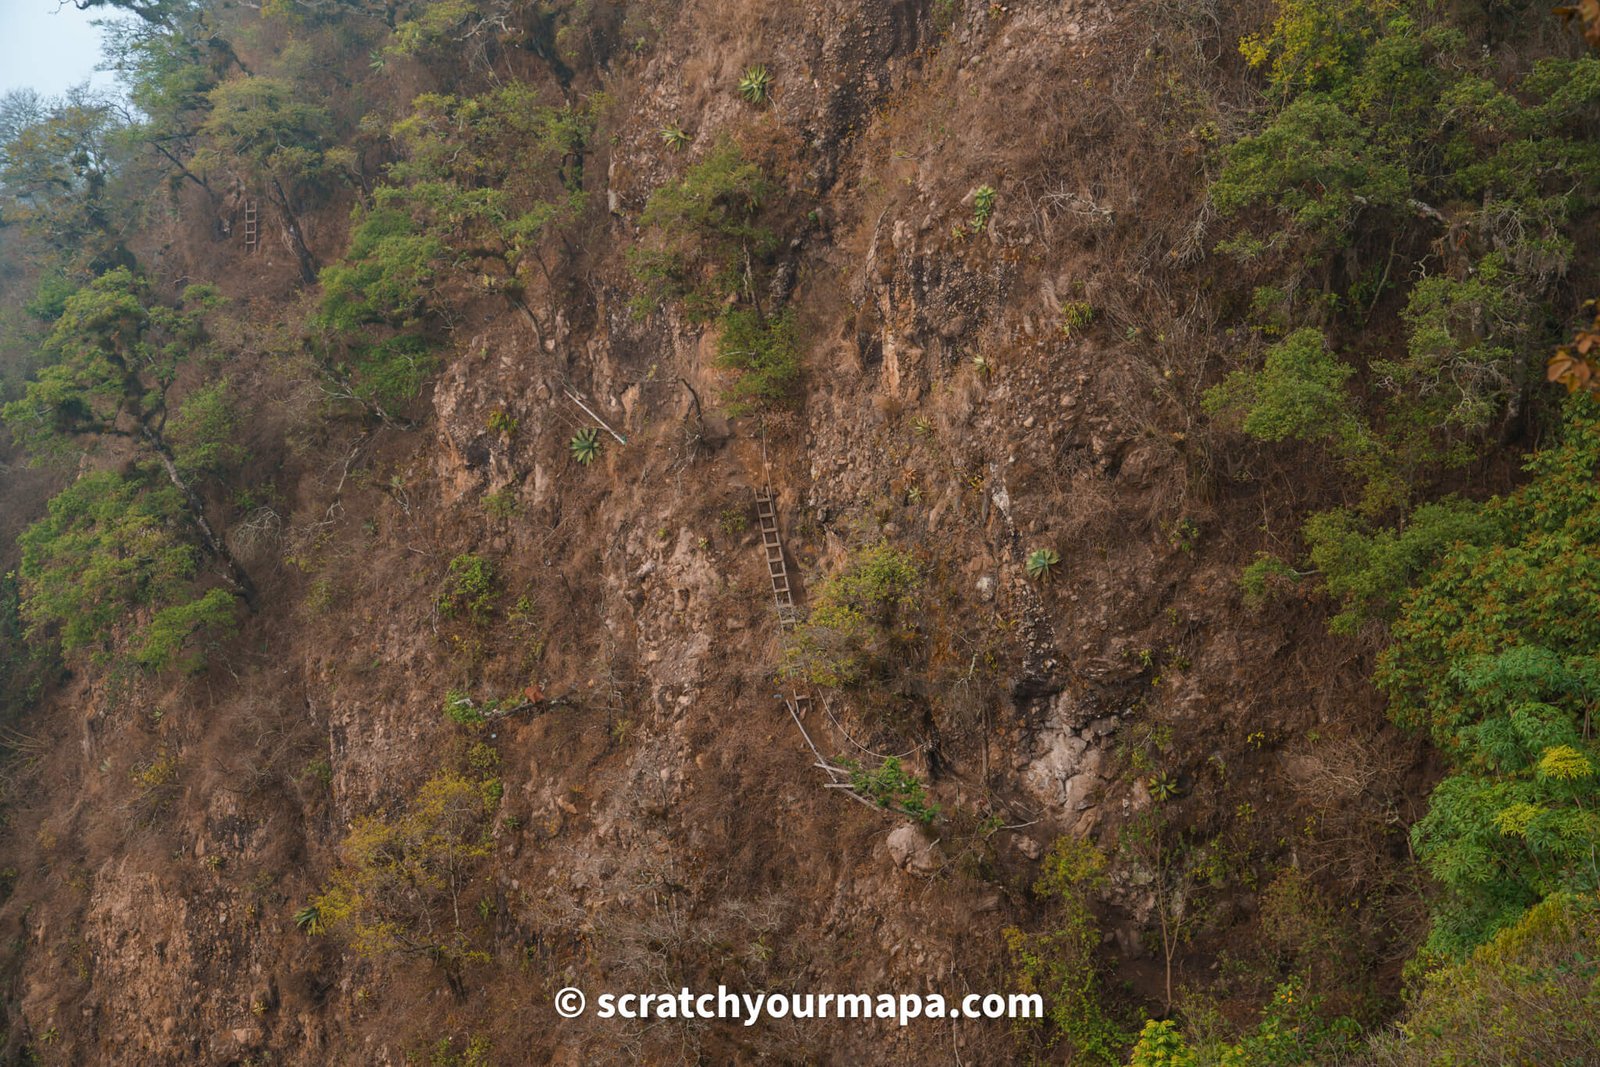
{"x": 251, "y": 237}
{"x": 778, "y": 571}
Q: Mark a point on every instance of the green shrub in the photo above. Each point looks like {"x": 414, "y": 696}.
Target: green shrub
{"x": 1316, "y": 170}
{"x": 703, "y": 230}
{"x": 470, "y": 589}
{"x": 460, "y": 709}
{"x": 171, "y": 630}
{"x": 205, "y": 430}
{"x": 387, "y": 275}
{"x": 1530, "y": 995}
{"x": 390, "y": 373}
{"x": 892, "y": 787}
{"x": 1063, "y": 964}
{"x": 400, "y": 882}
{"x": 860, "y": 619}
{"x": 764, "y": 353}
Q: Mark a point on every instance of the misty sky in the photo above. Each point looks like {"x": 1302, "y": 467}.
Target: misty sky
{"x": 48, "y": 45}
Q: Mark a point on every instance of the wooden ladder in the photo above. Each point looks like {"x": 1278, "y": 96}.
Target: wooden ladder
{"x": 778, "y": 571}
{"x": 250, "y": 232}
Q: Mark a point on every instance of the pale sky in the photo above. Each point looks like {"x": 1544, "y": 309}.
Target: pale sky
{"x": 49, "y": 45}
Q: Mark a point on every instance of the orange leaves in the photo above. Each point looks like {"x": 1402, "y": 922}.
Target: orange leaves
{"x": 1573, "y": 364}
{"x": 1587, "y": 12}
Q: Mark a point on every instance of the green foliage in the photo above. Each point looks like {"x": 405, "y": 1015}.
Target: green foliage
{"x": 1062, "y": 964}
{"x": 1367, "y": 567}
{"x": 860, "y": 619}
{"x": 116, "y": 353}
{"x": 1530, "y": 995}
{"x": 1315, "y": 43}
{"x": 205, "y": 430}
{"x": 387, "y": 274}
{"x": 890, "y": 786}
{"x": 483, "y": 181}
{"x": 703, "y": 232}
{"x": 460, "y": 709}
{"x": 390, "y": 373}
{"x": 1493, "y": 653}
{"x": 1315, "y": 169}
{"x": 106, "y": 548}
{"x": 1163, "y": 787}
{"x": 1293, "y": 1029}
{"x": 470, "y": 589}
{"x": 764, "y": 352}
{"x": 268, "y": 125}
{"x": 755, "y": 85}
{"x": 1466, "y": 362}
{"x": 983, "y": 201}
{"x": 167, "y": 640}
{"x": 401, "y": 881}
{"x": 500, "y": 504}
{"x": 59, "y": 165}
{"x": 308, "y": 920}
{"x": 585, "y": 445}
{"x": 1075, "y": 316}
{"x": 1264, "y": 577}
{"x": 1041, "y": 564}
{"x": 1160, "y": 1044}
{"x": 1299, "y": 394}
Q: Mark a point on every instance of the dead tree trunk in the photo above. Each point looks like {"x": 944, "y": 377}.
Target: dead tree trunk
{"x": 308, "y": 262}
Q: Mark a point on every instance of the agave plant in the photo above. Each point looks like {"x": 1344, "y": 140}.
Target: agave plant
{"x": 309, "y": 920}
{"x": 674, "y": 138}
{"x": 1163, "y": 787}
{"x": 756, "y": 85}
{"x": 585, "y": 445}
{"x": 1041, "y": 564}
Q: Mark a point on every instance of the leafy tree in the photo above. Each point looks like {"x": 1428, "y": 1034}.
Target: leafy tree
{"x": 117, "y": 354}
{"x": 1317, "y": 171}
{"x": 1299, "y": 394}
{"x": 58, "y": 163}
{"x": 1493, "y": 654}
{"x": 1466, "y": 363}
{"x": 387, "y": 275}
{"x": 205, "y": 431}
{"x": 489, "y": 177}
{"x": 267, "y": 125}
{"x": 107, "y": 545}
{"x": 1367, "y": 567}
{"x": 406, "y": 885}
{"x": 1315, "y": 43}
{"x": 1527, "y": 996}
{"x": 1063, "y": 963}
{"x": 170, "y": 67}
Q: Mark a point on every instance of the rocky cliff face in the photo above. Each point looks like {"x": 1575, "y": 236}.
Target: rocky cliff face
{"x": 663, "y": 822}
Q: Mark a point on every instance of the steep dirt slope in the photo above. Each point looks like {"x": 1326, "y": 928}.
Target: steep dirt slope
{"x": 663, "y": 823}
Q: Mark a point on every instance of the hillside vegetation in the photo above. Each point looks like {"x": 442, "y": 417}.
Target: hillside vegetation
{"x": 1182, "y": 424}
